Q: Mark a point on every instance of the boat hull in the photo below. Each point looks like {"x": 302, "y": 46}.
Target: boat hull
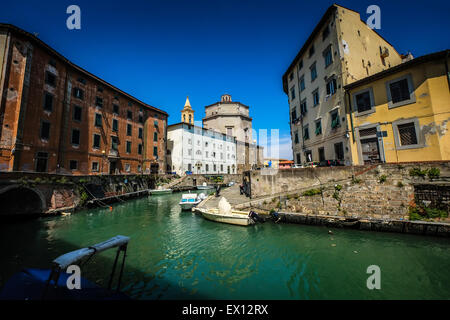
{"x": 204, "y": 187}
{"x": 236, "y": 219}
{"x": 189, "y": 205}
{"x": 160, "y": 191}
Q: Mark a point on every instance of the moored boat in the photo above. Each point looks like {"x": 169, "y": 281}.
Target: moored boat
{"x": 190, "y": 200}
{"x": 160, "y": 191}
{"x": 204, "y": 186}
{"x": 53, "y": 284}
{"x": 235, "y": 217}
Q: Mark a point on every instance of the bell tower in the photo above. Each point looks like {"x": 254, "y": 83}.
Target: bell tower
{"x": 187, "y": 114}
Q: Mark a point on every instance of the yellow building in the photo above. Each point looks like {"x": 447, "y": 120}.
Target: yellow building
{"x": 402, "y": 114}
{"x": 187, "y": 114}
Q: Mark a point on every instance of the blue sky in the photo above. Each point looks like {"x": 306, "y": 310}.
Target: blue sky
{"x": 161, "y": 51}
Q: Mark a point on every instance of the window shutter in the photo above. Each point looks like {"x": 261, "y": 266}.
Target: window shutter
{"x": 407, "y": 133}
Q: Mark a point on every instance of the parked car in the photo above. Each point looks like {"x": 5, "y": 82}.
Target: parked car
{"x": 331, "y": 163}
{"x": 295, "y": 166}
{"x": 311, "y": 164}
{"x": 188, "y": 172}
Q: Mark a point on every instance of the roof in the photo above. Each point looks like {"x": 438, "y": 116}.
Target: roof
{"x": 41, "y": 43}
{"x": 400, "y": 67}
{"x": 313, "y": 34}
{"x": 227, "y": 102}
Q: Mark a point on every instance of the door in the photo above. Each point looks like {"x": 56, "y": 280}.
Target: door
{"x": 370, "y": 151}
{"x": 112, "y": 167}
{"x": 321, "y": 154}
{"x": 41, "y": 161}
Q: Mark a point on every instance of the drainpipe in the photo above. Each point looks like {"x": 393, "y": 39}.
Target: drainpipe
{"x": 446, "y": 69}
{"x": 351, "y": 114}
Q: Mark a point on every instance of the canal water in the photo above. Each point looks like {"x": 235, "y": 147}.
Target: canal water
{"x": 176, "y": 254}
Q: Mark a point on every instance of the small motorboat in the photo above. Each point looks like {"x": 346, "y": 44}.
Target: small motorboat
{"x": 160, "y": 190}
{"x": 52, "y": 284}
{"x": 190, "y": 200}
{"x": 204, "y": 186}
{"x": 235, "y": 217}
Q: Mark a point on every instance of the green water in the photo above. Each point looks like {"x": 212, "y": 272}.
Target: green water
{"x": 179, "y": 255}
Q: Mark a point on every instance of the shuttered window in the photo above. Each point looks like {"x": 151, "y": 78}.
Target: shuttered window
{"x": 363, "y": 101}
{"x": 407, "y": 133}
{"x": 368, "y": 132}
{"x": 399, "y": 91}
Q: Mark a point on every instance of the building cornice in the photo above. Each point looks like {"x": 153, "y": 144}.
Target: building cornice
{"x": 227, "y": 115}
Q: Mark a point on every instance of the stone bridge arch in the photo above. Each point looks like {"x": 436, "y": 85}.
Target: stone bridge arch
{"x": 17, "y": 200}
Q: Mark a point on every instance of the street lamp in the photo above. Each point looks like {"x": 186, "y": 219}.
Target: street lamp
{"x": 103, "y": 157}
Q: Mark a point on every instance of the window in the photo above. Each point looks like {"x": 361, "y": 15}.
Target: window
{"x": 73, "y": 164}
{"x": 99, "y": 89}
{"x": 45, "y": 130}
{"x": 115, "y": 108}
{"x": 315, "y": 95}
{"x": 291, "y": 76}
{"x": 327, "y": 55}
{"x": 98, "y": 120}
{"x": 300, "y": 65}
{"x": 331, "y": 86}
{"x": 50, "y": 79}
{"x": 400, "y": 92}
{"x": 115, "y": 125}
{"x": 318, "y": 127}
{"x": 52, "y": 62}
{"x": 155, "y": 123}
{"x": 198, "y": 152}
{"x": 325, "y": 33}
{"x": 339, "y": 151}
{"x": 207, "y": 167}
{"x": 363, "y": 101}
{"x": 303, "y": 108}
{"x": 294, "y": 115}
{"x": 99, "y": 102}
{"x": 189, "y": 152}
{"x": 155, "y": 151}
{"x": 78, "y": 93}
{"x": 96, "y": 141}
{"x": 140, "y": 133}
{"x": 155, "y": 136}
{"x": 296, "y": 137}
{"x": 114, "y": 143}
{"x": 128, "y": 146}
{"x": 406, "y": 133}
{"x": 293, "y": 93}
{"x": 127, "y": 167}
{"x": 129, "y": 104}
{"x": 221, "y": 167}
{"x": 141, "y": 119}
{"x": 214, "y": 167}
{"x": 139, "y": 148}
{"x": 298, "y": 158}
{"x": 76, "y": 113}
{"x": 129, "y": 129}
{"x": 308, "y": 155}
{"x": 75, "y": 137}
{"x": 230, "y": 131}
{"x": 206, "y": 143}
{"x": 94, "y": 166}
{"x": 139, "y": 168}
{"x": 129, "y": 115}
{"x": 335, "y": 120}
{"x": 302, "y": 83}
{"x": 306, "y": 133}
{"x": 313, "y": 72}
{"x": 48, "y": 101}
{"x": 206, "y": 154}
{"x": 311, "y": 51}
{"x": 81, "y": 80}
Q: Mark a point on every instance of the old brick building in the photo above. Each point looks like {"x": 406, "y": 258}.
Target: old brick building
{"x": 57, "y": 117}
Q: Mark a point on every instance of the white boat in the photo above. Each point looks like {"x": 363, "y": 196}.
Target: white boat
{"x": 160, "y": 191}
{"x": 236, "y": 217}
{"x": 190, "y": 200}
{"x": 204, "y": 186}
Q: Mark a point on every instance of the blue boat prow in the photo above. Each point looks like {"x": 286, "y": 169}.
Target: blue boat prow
{"x": 29, "y": 284}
